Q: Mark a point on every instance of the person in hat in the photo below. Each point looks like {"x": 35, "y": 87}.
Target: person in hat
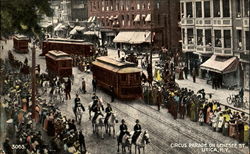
{"x": 137, "y": 131}
{"x": 108, "y": 111}
{"x": 6, "y": 146}
{"x": 81, "y": 140}
{"x": 123, "y": 130}
{"x": 83, "y": 86}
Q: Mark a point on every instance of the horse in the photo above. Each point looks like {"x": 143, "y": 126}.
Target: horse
{"x": 90, "y": 106}
{"x": 141, "y": 141}
{"x": 126, "y": 142}
{"x": 112, "y": 120}
{"x": 78, "y": 113}
{"x": 99, "y": 122}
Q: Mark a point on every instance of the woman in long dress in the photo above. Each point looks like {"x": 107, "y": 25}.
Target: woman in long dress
{"x": 246, "y": 133}
{"x": 225, "y": 127}
{"x": 232, "y": 125}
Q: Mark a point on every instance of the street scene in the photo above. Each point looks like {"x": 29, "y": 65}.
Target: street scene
{"x": 124, "y": 76}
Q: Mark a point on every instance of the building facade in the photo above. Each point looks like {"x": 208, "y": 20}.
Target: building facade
{"x": 160, "y": 17}
{"x": 219, "y": 28}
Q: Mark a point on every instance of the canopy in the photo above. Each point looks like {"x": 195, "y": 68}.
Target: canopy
{"x": 75, "y": 29}
{"x": 148, "y": 18}
{"x": 59, "y": 27}
{"x": 137, "y": 18}
{"x": 220, "y": 65}
{"x": 90, "y": 19}
{"x": 123, "y": 37}
{"x": 133, "y": 37}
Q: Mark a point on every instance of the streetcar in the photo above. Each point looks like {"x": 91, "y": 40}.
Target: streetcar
{"x": 59, "y": 63}
{"x": 20, "y": 43}
{"x": 124, "y": 77}
{"x": 69, "y": 46}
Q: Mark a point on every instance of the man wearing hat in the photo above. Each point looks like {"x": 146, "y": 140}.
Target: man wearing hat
{"x": 137, "y": 129}
{"x": 123, "y": 130}
{"x": 83, "y": 86}
{"x": 6, "y": 146}
{"x": 108, "y": 111}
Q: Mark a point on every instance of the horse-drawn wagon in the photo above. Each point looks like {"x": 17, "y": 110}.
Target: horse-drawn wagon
{"x": 69, "y": 46}
{"x": 123, "y": 77}
{"x": 20, "y": 43}
{"x": 59, "y": 63}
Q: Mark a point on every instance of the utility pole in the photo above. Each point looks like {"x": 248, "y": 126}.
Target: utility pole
{"x": 33, "y": 79}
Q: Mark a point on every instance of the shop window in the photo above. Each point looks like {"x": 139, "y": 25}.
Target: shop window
{"x": 207, "y": 12}
{"x": 226, "y": 8}
{"x": 238, "y": 9}
{"x": 190, "y": 35}
{"x": 227, "y": 39}
{"x": 217, "y": 12}
{"x": 217, "y": 35}
{"x": 239, "y": 39}
{"x": 247, "y": 40}
{"x": 189, "y": 9}
{"x": 183, "y": 36}
{"x": 246, "y": 8}
{"x": 199, "y": 37}
{"x": 198, "y": 10}
{"x": 208, "y": 37}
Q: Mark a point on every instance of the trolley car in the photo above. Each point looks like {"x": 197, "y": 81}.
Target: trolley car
{"x": 124, "y": 77}
{"x": 20, "y": 43}
{"x": 69, "y": 46}
{"x": 59, "y": 63}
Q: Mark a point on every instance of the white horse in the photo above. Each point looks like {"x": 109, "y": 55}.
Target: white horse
{"x": 99, "y": 122}
{"x": 100, "y": 103}
{"x": 141, "y": 141}
{"x": 112, "y": 120}
{"x": 126, "y": 142}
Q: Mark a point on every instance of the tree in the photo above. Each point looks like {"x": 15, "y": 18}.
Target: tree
{"x": 23, "y": 16}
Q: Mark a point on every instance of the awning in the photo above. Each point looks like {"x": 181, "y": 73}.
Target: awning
{"x": 93, "y": 19}
{"x": 59, "y": 27}
{"x": 75, "y": 29}
{"x": 92, "y": 33}
{"x": 123, "y": 37}
{"x": 90, "y": 19}
{"x": 137, "y": 18}
{"x": 133, "y": 37}
{"x": 220, "y": 65}
{"x": 140, "y": 37}
{"x": 148, "y": 18}
{"x": 116, "y": 17}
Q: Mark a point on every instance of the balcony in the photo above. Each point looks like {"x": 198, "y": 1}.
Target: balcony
{"x": 187, "y": 22}
{"x": 222, "y": 22}
{"x": 188, "y": 47}
{"x": 204, "y": 50}
{"x": 223, "y": 51}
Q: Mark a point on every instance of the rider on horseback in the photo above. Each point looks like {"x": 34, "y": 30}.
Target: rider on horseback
{"x": 137, "y": 131}
{"x": 97, "y": 110}
{"x": 123, "y": 130}
{"x": 108, "y": 111}
{"x": 77, "y": 104}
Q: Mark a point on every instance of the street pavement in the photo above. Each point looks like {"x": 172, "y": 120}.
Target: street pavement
{"x": 163, "y": 130}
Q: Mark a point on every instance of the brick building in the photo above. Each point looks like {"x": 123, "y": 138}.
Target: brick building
{"x": 215, "y": 36}
{"x": 132, "y": 21}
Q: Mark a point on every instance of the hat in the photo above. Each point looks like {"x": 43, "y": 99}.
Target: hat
{"x": 123, "y": 121}
{"x": 137, "y": 121}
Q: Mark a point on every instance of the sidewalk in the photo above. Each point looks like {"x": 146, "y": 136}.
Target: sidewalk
{"x": 219, "y": 94}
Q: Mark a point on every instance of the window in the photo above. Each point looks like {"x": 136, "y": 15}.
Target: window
{"x": 208, "y": 37}
{"x": 183, "y": 36}
{"x": 198, "y": 10}
{"x": 189, "y": 9}
{"x": 246, "y": 8}
{"x": 217, "y": 8}
{"x": 138, "y": 6}
{"x": 239, "y": 39}
{"x": 217, "y": 35}
{"x": 238, "y": 9}
{"x": 190, "y": 35}
{"x": 182, "y": 10}
{"x": 226, "y": 8}
{"x": 227, "y": 39}
{"x": 159, "y": 19}
{"x": 199, "y": 36}
{"x": 148, "y": 6}
{"x": 207, "y": 12}
{"x": 247, "y": 40}
{"x": 158, "y": 5}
